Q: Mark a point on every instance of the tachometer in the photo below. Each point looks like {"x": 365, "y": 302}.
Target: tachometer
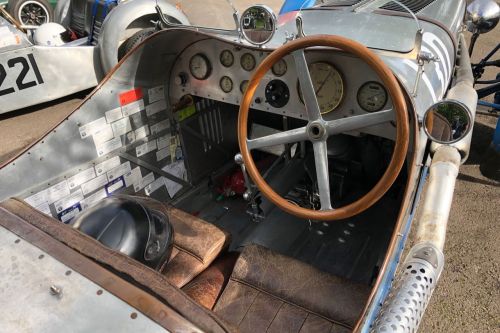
{"x": 328, "y": 85}
{"x": 247, "y": 62}
{"x": 372, "y": 96}
{"x": 226, "y": 58}
{"x": 226, "y": 84}
{"x": 199, "y": 66}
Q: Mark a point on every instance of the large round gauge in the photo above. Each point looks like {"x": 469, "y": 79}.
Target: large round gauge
{"x": 279, "y": 68}
{"x": 328, "y": 85}
{"x": 199, "y": 66}
{"x": 243, "y": 86}
{"x": 372, "y": 96}
{"x": 226, "y": 84}
{"x": 226, "y": 58}
{"x": 247, "y": 62}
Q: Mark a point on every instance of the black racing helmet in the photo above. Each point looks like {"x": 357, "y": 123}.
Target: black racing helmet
{"x": 129, "y": 227}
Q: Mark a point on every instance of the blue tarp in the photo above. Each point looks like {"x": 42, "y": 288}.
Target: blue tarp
{"x": 292, "y": 5}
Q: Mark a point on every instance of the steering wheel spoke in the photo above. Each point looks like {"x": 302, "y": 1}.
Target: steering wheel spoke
{"x": 357, "y": 122}
{"x": 306, "y": 85}
{"x": 322, "y": 175}
{"x": 290, "y": 136}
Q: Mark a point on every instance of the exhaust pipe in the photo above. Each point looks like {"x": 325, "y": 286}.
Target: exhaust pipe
{"x": 405, "y": 305}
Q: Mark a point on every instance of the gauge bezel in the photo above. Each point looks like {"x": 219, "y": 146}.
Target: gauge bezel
{"x": 361, "y": 88}
{"x": 207, "y": 61}
{"x": 342, "y": 95}
{"x": 254, "y": 61}
{"x": 230, "y": 80}
{"x": 241, "y": 85}
{"x": 232, "y": 58}
{"x": 274, "y": 71}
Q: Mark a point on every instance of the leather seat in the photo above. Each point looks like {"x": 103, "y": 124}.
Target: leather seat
{"x": 269, "y": 292}
{"x": 196, "y": 243}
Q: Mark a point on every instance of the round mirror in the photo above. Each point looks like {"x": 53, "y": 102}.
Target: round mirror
{"x": 258, "y": 24}
{"x": 483, "y": 15}
{"x": 447, "y": 122}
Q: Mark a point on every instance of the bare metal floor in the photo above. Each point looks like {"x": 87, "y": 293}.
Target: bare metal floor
{"x": 349, "y": 248}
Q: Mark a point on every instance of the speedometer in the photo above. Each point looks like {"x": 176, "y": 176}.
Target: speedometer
{"x": 199, "y": 66}
{"x": 328, "y": 86}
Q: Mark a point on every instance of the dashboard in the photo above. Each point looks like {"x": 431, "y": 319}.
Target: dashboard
{"x": 220, "y": 71}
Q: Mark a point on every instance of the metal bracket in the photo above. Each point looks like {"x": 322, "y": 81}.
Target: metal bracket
{"x": 422, "y": 58}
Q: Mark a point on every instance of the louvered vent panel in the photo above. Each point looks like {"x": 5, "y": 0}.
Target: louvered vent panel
{"x": 414, "y": 5}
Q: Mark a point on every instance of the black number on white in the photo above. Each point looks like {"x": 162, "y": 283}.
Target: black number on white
{"x": 26, "y": 65}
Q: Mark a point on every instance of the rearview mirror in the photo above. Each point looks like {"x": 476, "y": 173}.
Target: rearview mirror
{"x": 447, "y": 122}
{"x": 482, "y": 16}
{"x": 258, "y": 24}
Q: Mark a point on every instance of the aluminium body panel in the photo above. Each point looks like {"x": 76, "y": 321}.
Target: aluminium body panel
{"x": 41, "y": 296}
{"x": 38, "y": 74}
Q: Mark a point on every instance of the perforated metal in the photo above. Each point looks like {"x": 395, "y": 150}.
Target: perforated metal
{"x": 405, "y": 305}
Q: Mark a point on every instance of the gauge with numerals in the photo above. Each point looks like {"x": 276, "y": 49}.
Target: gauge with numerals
{"x": 226, "y": 84}
{"x": 328, "y": 86}
{"x": 279, "y": 68}
{"x": 226, "y": 58}
{"x": 199, "y": 66}
{"x": 247, "y": 62}
{"x": 372, "y": 96}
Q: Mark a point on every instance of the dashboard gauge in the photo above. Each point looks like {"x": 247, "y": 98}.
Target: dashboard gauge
{"x": 199, "y": 66}
{"x": 243, "y": 86}
{"x": 226, "y": 58}
{"x": 328, "y": 85}
{"x": 226, "y": 84}
{"x": 372, "y": 96}
{"x": 247, "y": 62}
{"x": 277, "y": 93}
{"x": 279, "y": 68}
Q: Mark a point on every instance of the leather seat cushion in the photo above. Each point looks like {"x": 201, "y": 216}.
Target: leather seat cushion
{"x": 196, "y": 243}
{"x": 269, "y": 292}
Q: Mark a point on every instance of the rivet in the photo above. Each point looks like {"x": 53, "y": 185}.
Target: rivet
{"x": 56, "y": 291}
{"x": 133, "y": 315}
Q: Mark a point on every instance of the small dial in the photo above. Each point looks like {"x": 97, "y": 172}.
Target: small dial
{"x": 247, "y": 62}
{"x": 199, "y": 66}
{"x": 243, "y": 86}
{"x": 226, "y": 84}
{"x": 226, "y": 58}
{"x": 279, "y": 68}
{"x": 372, "y": 96}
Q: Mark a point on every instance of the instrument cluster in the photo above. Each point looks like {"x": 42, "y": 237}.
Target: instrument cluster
{"x": 344, "y": 85}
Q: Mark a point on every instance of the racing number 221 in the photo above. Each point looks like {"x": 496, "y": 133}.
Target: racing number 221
{"x": 26, "y": 65}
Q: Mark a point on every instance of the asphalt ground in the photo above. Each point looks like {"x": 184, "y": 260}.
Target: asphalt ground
{"x": 467, "y": 298}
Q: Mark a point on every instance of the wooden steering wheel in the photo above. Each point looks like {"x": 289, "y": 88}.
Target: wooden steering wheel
{"x": 318, "y": 130}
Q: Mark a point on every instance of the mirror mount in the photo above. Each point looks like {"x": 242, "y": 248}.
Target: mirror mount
{"x": 447, "y": 121}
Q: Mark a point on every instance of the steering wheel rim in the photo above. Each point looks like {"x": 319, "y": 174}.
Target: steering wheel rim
{"x": 399, "y": 106}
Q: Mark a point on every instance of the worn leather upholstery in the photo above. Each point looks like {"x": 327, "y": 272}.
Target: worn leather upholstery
{"x": 269, "y": 292}
{"x": 206, "y": 288}
{"x": 196, "y": 243}
{"x": 18, "y": 211}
